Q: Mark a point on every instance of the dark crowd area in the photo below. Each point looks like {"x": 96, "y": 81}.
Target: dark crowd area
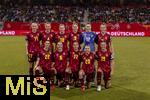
{"x": 52, "y": 11}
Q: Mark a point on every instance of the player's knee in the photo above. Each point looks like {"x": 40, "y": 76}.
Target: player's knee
{"x": 81, "y": 74}
{"x": 99, "y": 70}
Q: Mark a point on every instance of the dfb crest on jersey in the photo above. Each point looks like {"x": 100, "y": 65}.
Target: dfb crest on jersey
{"x": 1, "y": 25}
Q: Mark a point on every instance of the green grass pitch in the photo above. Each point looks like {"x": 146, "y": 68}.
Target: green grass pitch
{"x": 131, "y": 80}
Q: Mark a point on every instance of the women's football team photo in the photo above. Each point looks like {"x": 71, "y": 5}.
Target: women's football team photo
{"x": 71, "y": 59}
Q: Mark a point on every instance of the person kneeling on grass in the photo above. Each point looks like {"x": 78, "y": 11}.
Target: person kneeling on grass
{"x": 74, "y": 66}
{"x": 104, "y": 57}
{"x": 44, "y": 64}
{"x": 61, "y": 65}
{"x": 87, "y": 68}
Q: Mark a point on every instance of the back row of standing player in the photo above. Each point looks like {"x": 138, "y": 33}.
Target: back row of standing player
{"x": 60, "y": 54}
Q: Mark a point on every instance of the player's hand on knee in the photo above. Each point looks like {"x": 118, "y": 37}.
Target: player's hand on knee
{"x": 99, "y": 70}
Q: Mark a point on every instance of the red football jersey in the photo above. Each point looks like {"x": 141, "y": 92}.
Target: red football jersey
{"x": 60, "y": 61}
{"x": 62, "y": 38}
{"x": 104, "y": 60}
{"x": 74, "y": 37}
{"x": 47, "y": 36}
{"x": 88, "y": 62}
{"x": 74, "y": 62}
{"x": 45, "y": 59}
{"x": 33, "y": 42}
{"x": 104, "y": 38}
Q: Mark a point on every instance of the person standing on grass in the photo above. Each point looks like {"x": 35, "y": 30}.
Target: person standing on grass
{"x": 103, "y": 69}
{"x": 88, "y": 37}
{"x": 32, "y": 46}
{"x": 103, "y": 36}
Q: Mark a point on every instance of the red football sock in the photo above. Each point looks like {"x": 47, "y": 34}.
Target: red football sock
{"x": 82, "y": 82}
{"x": 99, "y": 74}
{"x": 67, "y": 78}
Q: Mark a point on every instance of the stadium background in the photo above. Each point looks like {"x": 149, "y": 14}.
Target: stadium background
{"x": 131, "y": 78}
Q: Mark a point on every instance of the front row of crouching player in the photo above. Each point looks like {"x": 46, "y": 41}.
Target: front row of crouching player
{"x": 74, "y": 68}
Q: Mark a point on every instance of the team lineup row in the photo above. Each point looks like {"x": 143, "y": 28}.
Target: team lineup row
{"x": 61, "y": 56}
